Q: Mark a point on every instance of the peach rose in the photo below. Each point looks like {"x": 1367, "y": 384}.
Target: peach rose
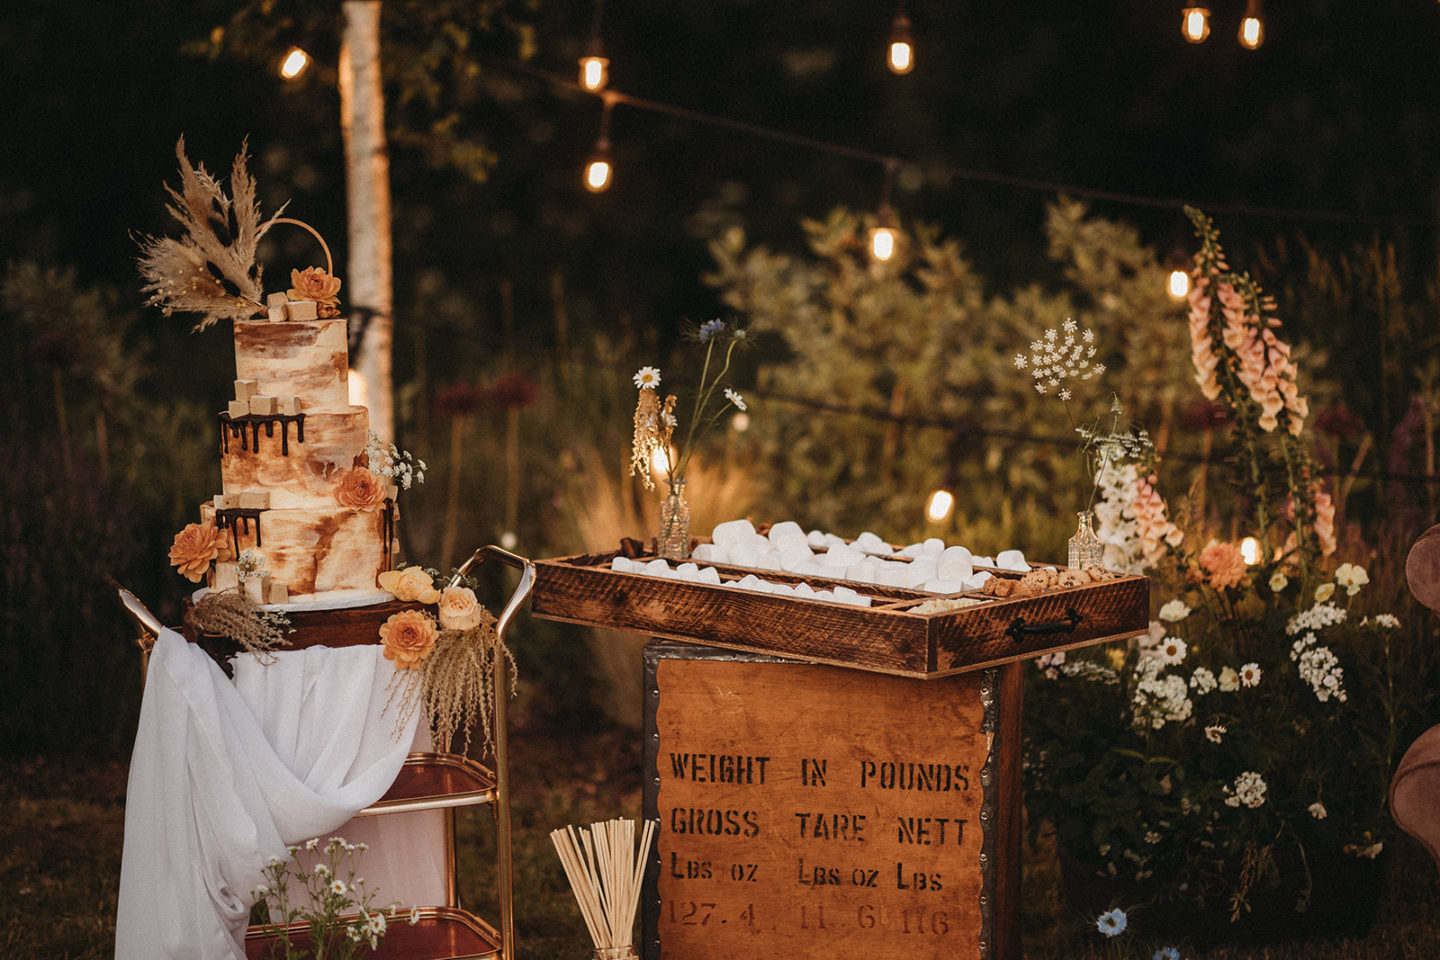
{"x": 360, "y": 488}
{"x": 408, "y": 636}
{"x": 312, "y": 283}
{"x": 459, "y": 610}
{"x": 410, "y": 584}
{"x": 194, "y": 548}
{"x": 1223, "y": 563}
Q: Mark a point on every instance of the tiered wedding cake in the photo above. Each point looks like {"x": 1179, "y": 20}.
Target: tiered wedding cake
{"x": 299, "y": 504}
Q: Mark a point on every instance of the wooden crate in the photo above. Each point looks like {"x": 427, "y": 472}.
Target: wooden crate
{"x": 887, "y": 637}
{"x": 807, "y": 811}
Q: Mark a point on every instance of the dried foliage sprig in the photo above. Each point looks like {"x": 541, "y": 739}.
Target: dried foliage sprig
{"x": 229, "y": 613}
{"x": 210, "y": 269}
{"x": 454, "y": 686}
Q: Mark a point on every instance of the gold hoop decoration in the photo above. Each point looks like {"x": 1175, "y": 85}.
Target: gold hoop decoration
{"x": 329, "y": 262}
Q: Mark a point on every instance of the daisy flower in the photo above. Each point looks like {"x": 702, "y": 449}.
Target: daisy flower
{"x": 647, "y": 378}
{"x": 1111, "y": 922}
{"x": 735, "y": 398}
{"x": 338, "y": 887}
{"x": 1250, "y": 675}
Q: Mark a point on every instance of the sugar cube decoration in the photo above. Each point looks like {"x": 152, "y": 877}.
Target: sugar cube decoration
{"x": 302, "y": 310}
{"x": 227, "y": 576}
{"x": 288, "y": 406}
{"x": 257, "y": 589}
{"x": 253, "y": 500}
{"x": 279, "y": 591}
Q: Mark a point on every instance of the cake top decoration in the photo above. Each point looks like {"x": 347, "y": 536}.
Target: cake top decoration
{"x": 211, "y": 269}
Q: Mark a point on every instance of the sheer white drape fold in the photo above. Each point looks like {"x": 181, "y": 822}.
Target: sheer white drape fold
{"x": 225, "y": 775}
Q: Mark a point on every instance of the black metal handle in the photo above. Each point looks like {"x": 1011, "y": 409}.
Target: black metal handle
{"x": 1019, "y": 628}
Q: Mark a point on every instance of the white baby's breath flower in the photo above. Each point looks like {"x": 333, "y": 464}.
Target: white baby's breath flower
{"x": 1249, "y": 789}
{"x": 1064, "y": 395}
{"x": 1175, "y": 611}
{"x": 1202, "y": 680}
{"x": 1387, "y": 620}
{"x": 1020, "y": 361}
{"x": 647, "y": 378}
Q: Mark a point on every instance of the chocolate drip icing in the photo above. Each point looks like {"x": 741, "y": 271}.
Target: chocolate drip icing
{"x": 232, "y": 518}
{"x": 243, "y": 428}
{"x": 387, "y": 525}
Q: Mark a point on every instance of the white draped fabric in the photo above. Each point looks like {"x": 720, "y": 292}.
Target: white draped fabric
{"x": 224, "y": 775}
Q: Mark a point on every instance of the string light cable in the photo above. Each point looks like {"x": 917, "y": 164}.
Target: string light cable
{"x": 613, "y": 96}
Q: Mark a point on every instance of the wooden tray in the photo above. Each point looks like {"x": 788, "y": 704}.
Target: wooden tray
{"x": 885, "y": 637}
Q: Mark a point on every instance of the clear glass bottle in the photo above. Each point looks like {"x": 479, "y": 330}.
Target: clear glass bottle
{"x": 674, "y": 540}
{"x": 1085, "y": 547}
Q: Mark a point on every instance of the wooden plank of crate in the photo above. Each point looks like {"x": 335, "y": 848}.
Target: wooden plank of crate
{"x": 879, "y": 639}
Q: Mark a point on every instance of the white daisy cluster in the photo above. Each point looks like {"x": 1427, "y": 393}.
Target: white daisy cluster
{"x": 1086, "y": 670}
{"x": 1054, "y": 360}
{"x": 1319, "y": 667}
{"x": 388, "y": 461}
{"x": 1318, "y": 617}
{"x": 1202, "y": 681}
{"x": 1160, "y": 699}
{"x": 1249, "y": 790}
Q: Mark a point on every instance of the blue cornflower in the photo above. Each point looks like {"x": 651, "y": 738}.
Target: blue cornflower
{"x": 1167, "y": 953}
{"x": 1111, "y": 922}
{"x": 709, "y": 328}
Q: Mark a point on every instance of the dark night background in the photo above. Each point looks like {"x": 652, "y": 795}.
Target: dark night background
{"x": 1334, "y": 117}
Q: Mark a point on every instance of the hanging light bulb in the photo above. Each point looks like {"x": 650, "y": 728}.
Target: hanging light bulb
{"x": 594, "y": 67}
{"x": 1252, "y": 28}
{"x": 1250, "y": 550}
{"x": 901, "y": 56}
{"x": 1195, "y": 23}
{"x": 883, "y": 235}
{"x": 599, "y": 169}
{"x": 294, "y": 63}
{"x": 938, "y": 507}
{"x": 1179, "y": 285}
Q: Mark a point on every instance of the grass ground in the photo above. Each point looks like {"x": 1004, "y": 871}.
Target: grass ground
{"x": 61, "y": 827}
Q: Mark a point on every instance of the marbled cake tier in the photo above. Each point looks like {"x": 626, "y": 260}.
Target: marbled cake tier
{"x": 307, "y": 359}
{"x": 312, "y": 550}
{"x": 299, "y": 463}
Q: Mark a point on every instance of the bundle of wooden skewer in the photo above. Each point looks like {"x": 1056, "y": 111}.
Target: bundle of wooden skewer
{"x": 605, "y": 870}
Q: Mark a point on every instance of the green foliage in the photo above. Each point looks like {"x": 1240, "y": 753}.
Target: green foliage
{"x": 907, "y": 365}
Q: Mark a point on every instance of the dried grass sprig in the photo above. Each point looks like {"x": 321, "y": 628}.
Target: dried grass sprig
{"x": 229, "y": 613}
{"x": 210, "y": 269}
{"x": 454, "y": 686}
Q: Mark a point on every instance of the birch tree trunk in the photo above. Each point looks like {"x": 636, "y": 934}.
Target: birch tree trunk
{"x": 367, "y": 190}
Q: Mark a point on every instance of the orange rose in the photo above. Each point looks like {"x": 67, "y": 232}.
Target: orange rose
{"x": 194, "y": 548}
{"x": 312, "y": 283}
{"x": 408, "y": 636}
{"x": 459, "y": 610}
{"x": 410, "y": 584}
{"x": 360, "y": 488}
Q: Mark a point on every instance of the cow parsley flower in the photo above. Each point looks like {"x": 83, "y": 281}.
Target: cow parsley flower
{"x": 1249, "y": 790}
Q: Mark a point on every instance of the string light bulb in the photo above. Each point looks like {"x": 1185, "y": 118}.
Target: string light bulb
{"x": 1250, "y": 550}
{"x": 294, "y": 63}
{"x": 1178, "y": 281}
{"x": 939, "y": 506}
{"x": 883, "y": 235}
{"x": 1195, "y": 23}
{"x": 901, "y": 55}
{"x": 598, "y": 171}
{"x": 594, "y": 67}
{"x": 1252, "y": 28}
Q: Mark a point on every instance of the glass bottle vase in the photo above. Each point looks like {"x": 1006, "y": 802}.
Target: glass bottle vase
{"x": 1085, "y": 547}
{"x": 674, "y": 540}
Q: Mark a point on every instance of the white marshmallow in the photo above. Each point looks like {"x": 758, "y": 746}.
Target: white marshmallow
{"x": 872, "y": 544}
{"x": 892, "y": 573}
{"x": 688, "y": 571}
{"x": 920, "y": 570}
{"x": 742, "y": 554}
{"x": 794, "y": 555}
{"x": 932, "y": 547}
{"x": 803, "y": 589}
{"x": 978, "y": 580}
{"x": 825, "y": 595}
{"x": 912, "y": 551}
{"x": 704, "y": 552}
{"x": 782, "y": 589}
{"x": 1011, "y": 560}
{"x": 841, "y": 555}
{"x": 769, "y": 560}
{"x": 620, "y": 565}
{"x": 866, "y": 571}
{"x": 783, "y": 529}
{"x": 657, "y": 568}
{"x": 731, "y": 532}
{"x": 816, "y": 538}
{"x": 709, "y": 575}
{"x": 747, "y": 582}
{"x": 944, "y": 586}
